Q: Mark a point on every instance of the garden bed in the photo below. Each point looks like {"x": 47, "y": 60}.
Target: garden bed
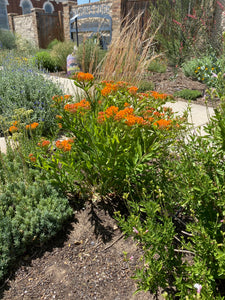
{"x": 85, "y": 261}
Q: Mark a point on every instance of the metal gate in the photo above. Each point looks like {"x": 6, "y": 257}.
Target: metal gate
{"x": 95, "y": 28}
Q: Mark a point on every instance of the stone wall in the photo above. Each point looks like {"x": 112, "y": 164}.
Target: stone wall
{"x": 38, "y": 27}
{"x": 23, "y": 26}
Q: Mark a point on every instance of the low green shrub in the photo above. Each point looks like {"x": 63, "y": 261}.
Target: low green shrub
{"x": 188, "y": 94}
{"x": 203, "y": 69}
{"x": 7, "y": 39}
{"x": 89, "y": 55}
{"x": 145, "y": 85}
{"x": 31, "y": 210}
{"x": 52, "y": 44}
{"x": 179, "y": 223}
{"x": 23, "y": 86}
{"x": 60, "y": 51}
{"x": 157, "y": 65}
{"x": 44, "y": 60}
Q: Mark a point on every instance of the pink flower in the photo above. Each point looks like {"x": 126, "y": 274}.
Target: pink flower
{"x": 214, "y": 75}
{"x": 220, "y": 5}
{"x": 198, "y": 287}
{"x": 135, "y": 230}
{"x": 222, "y": 221}
{"x": 192, "y": 16}
{"x": 176, "y": 22}
{"x": 131, "y": 258}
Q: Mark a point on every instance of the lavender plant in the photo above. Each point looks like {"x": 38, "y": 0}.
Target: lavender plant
{"x": 23, "y": 86}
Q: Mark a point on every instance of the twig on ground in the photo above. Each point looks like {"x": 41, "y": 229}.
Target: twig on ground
{"x": 114, "y": 242}
{"x": 184, "y": 251}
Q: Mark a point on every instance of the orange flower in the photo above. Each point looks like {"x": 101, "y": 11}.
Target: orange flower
{"x": 44, "y": 143}
{"x": 101, "y": 117}
{"x": 32, "y": 126}
{"x": 143, "y": 95}
{"x": 111, "y": 111}
{"x": 58, "y": 117}
{"x": 81, "y": 76}
{"x": 32, "y": 157}
{"x": 157, "y": 95}
{"x": 65, "y": 145}
{"x": 67, "y": 97}
{"x": 124, "y": 113}
{"x": 106, "y": 91}
{"x": 163, "y": 124}
{"x": 73, "y": 107}
{"x": 133, "y": 90}
{"x": 60, "y": 125}
{"x": 15, "y": 123}
{"x": 132, "y": 120}
{"x": 126, "y": 104}
{"x": 13, "y": 129}
{"x": 58, "y": 99}
{"x": 150, "y": 119}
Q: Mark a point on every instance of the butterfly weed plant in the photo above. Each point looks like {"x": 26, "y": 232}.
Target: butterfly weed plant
{"x": 110, "y": 137}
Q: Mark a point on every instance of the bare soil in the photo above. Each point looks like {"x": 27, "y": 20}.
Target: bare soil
{"x": 86, "y": 260}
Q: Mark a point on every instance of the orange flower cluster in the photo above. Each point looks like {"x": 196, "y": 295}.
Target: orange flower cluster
{"x": 32, "y": 157}
{"x": 157, "y": 95}
{"x": 81, "y": 76}
{"x": 111, "y": 111}
{"x": 59, "y": 99}
{"x": 32, "y": 126}
{"x": 133, "y": 90}
{"x": 149, "y": 117}
{"x": 74, "y": 107}
{"x": 13, "y": 129}
{"x": 143, "y": 95}
{"x": 64, "y": 145}
{"x": 163, "y": 124}
{"x": 109, "y": 88}
{"x": 126, "y": 114}
{"x": 44, "y": 143}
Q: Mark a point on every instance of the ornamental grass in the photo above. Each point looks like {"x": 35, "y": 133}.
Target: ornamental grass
{"x": 129, "y": 53}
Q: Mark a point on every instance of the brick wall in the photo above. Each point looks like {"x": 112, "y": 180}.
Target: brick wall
{"x": 14, "y": 5}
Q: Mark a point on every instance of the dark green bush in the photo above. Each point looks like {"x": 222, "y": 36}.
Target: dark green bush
{"x": 45, "y": 61}
{"x": 31, "y": 210}
{"x": 7, "y": 39}
{"x": 188, "y": 94}
{"x": 89, "y": 55}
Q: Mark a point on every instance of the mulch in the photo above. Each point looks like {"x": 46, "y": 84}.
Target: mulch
{"x": 89, "y": 259}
